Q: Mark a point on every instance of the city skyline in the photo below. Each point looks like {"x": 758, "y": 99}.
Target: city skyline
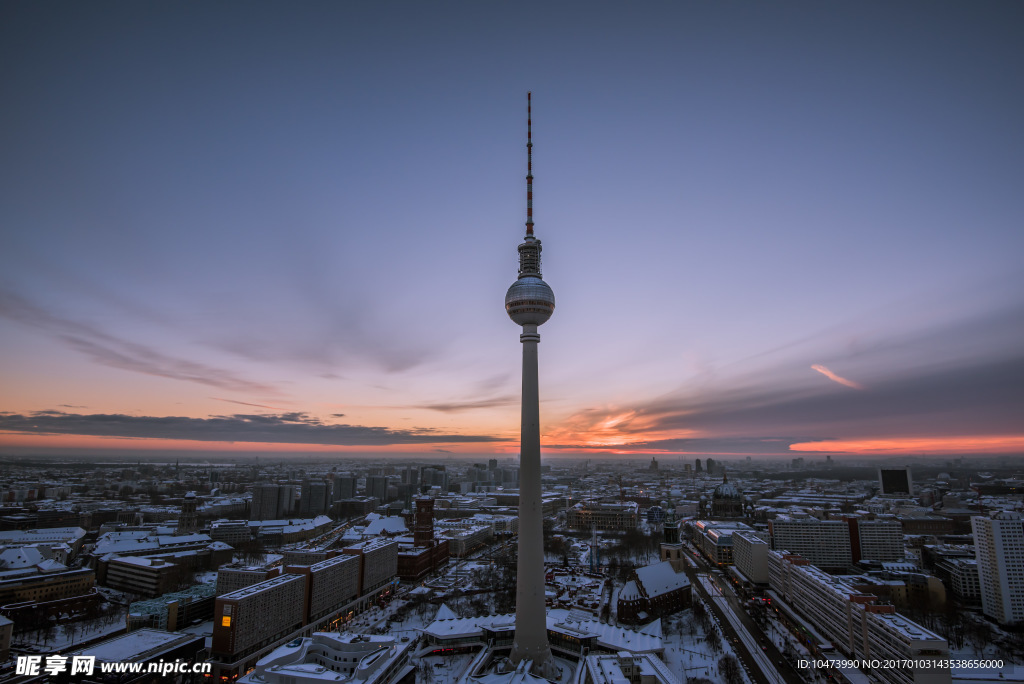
{"x": 774, "y": 231}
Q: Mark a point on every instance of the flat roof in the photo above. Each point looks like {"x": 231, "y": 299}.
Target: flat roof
{"x": 141, "y": 644}
{"x": 262, "y": 586}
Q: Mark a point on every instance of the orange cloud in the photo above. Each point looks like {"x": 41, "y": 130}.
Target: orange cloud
{"x": 13, "y": 440}
{"x": 988, "y": 444}
{"x": 837, "y": 378}
{"x": 610, "y": 427}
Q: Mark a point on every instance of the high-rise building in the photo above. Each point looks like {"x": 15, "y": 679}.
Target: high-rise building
{"x": 530, "y": 302}
{"x": 314, "y": 498}
{"x": 896, "y": 481}
{"x": 272, "y": 502}
{"x": 344, "y": 486}
{"x": 999, "y": 551}
{"x": 509, "y": 476}
{"x": 410, "y": 475}
{"x": 377, "y": 487}
{"x": 434, "y": 476}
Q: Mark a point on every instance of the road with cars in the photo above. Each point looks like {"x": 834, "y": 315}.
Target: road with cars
{"x": 759, "y": 655}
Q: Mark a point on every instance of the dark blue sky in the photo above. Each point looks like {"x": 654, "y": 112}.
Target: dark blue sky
{"x": 311, "y": 209}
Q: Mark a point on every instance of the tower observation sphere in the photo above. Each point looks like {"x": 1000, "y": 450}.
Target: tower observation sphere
{"x": 529, "y": 301}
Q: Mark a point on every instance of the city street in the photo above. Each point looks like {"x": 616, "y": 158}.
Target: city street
{"x": 760, "y": 656}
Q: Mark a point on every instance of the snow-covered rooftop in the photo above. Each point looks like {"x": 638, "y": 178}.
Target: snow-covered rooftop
{"x": 131, "y": 646}
{"x": 660, "y": 579}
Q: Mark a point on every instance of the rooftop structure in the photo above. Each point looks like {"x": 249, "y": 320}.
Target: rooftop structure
{"x": 569, "y": 632}
{"x": 333, "y": 657}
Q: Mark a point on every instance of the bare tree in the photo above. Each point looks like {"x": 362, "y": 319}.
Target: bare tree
{"x": 424, "y": 672}
{"x": 730, "y": 670}
{"x": 713, "y": 640}
{"x": 69, "y": 629}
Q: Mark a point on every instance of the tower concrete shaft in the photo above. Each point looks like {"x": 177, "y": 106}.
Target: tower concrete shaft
{"x": 531, "y": 638}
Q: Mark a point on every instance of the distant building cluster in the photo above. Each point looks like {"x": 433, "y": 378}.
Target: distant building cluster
{"x": 257, "y": 558}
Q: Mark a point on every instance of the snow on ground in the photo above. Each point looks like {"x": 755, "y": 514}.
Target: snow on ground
{"x": 690, "y": 655}
{"x": 408, "y": 622}
{"x": 68, "y": 635}
{"x": 207, "y": 577}
{"x": 444, "y": 669}
{"x": 687, "y": 651}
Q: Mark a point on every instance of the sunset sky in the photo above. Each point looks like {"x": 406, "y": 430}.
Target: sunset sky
{"x": 787, "y": 228}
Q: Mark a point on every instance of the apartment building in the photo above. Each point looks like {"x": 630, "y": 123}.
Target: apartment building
{"x": 999, "y": 552}
{"x": 250, "y": 618}
{"x": 378, "y": 562}
{"x": 824, "y": 543}
{"x": 878, "y": 540}
{"x": 961, "y": 575}
{"x": 330, "y": 584}
{"x": 314, "y": 498}
{"x": 344, "y": 486}
{"x": 272, "y": 501}
{"x": 856, "y": 623}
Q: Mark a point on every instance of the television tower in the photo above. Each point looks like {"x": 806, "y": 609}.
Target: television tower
{"x": 529, "y": 303}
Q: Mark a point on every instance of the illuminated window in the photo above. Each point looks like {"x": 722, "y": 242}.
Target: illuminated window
{"x": 225, "y": 621}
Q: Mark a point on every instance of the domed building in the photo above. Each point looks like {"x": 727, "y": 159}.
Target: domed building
{"x": 726, "y": 500}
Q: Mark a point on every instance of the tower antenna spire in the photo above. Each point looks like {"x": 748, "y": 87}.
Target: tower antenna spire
{"x": 529, "y": 165}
